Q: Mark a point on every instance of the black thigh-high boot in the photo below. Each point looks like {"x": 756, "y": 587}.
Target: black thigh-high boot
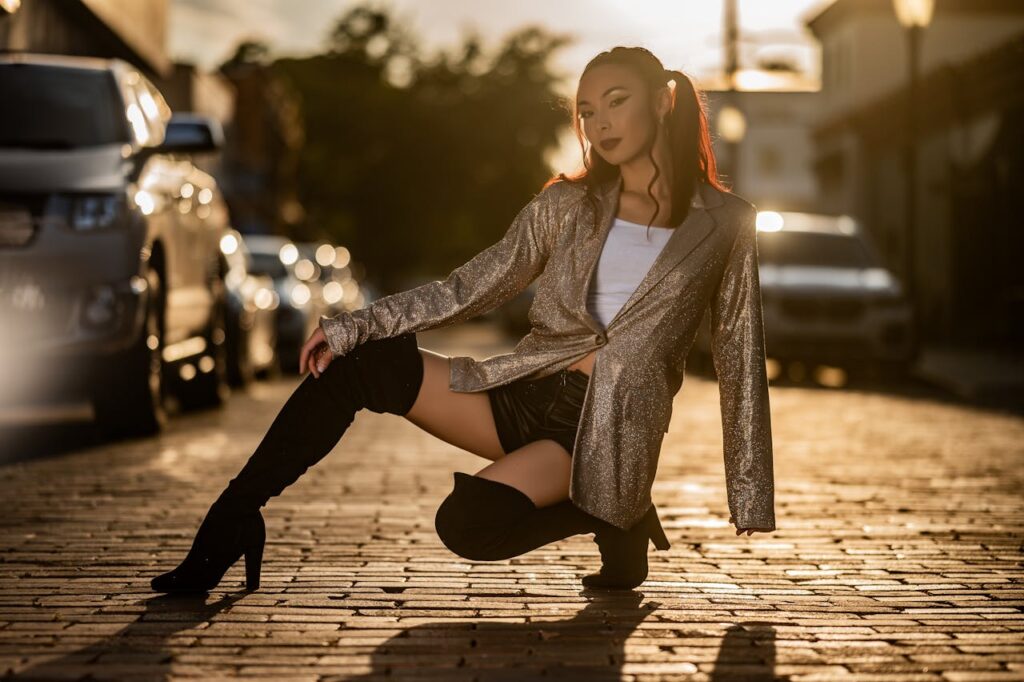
{"x": 485, "y": 520}
{"x": 383, "y": 376}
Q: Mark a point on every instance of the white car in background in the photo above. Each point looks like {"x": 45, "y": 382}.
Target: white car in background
{"x": 826, "y": 296}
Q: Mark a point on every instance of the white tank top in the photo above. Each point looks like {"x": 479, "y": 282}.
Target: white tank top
{"x": 627, "y": 256}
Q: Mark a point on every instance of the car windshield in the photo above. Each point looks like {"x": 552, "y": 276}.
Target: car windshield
{"x": 812, "y": 248}
{"x": 50, "y": 107}
{"x": 268, "y": 264}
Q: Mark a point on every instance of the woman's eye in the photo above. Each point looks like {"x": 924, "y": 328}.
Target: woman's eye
{"x": 614, "y": 102}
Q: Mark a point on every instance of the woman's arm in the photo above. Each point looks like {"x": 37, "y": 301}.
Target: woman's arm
{"x": 489, "y": 279}
{"x": 737, "y": 347}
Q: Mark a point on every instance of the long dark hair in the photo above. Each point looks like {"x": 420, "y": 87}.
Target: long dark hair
{"x": 692, "y": 155}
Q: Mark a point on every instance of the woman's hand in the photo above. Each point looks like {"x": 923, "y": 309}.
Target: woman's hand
{"x": 315, "y": 354}
{"x": 750, "y": 531}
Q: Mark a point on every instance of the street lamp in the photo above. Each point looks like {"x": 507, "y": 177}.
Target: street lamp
{"x": 914, "y": 16}
{"x": 731, "y": 123}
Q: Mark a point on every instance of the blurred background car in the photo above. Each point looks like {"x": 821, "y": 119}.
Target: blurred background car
{"x": 252, "y": 315}
{"x": 299, "y": 301}
{"x": 826, "y": 297}
{"x": 338, "y": 290}
{"x": 111, "y": 275}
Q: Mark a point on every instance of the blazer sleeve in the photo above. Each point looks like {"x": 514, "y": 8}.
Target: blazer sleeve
{"x": 489, "y": 279}
{"x": 737, "y": 347}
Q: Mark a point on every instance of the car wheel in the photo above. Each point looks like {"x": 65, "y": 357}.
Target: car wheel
{"x": 209, "y": 387}
{"x": 130, "y": 402}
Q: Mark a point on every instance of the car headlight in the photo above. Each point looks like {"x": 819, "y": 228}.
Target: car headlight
{"x": 88, "y": 212}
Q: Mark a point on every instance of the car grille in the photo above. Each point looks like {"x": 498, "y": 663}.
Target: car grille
{"x": 21, "y": 327}
{"x": 822, "y": 308}
{"x": 30, "y": 312}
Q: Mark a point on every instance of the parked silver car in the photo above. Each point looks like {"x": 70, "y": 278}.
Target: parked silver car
{"x": 111, "y": 275}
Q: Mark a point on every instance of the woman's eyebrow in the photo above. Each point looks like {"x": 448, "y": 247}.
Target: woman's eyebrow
{"x": 583, "y": 101}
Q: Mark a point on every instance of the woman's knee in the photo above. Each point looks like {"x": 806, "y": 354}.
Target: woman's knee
{"x": 383, "y": 375}
{"x": 455, "y": 525}
{"x": 476, "y": 517}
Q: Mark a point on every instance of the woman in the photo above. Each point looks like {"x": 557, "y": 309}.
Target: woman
{"x": 629, "y": 253}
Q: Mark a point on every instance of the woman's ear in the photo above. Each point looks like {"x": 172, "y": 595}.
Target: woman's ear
{"x": 664, "y": 103}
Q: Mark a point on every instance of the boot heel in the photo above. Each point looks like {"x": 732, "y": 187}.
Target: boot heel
{"x": 253, "y": 561}
{"x": 254, "y": 557}
{"x": 658, "y": 534}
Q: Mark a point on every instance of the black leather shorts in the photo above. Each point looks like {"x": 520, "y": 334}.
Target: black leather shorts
{"x": 549, "y": 407}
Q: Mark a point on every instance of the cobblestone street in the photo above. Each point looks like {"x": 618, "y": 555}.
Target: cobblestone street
{"x": 897, "y": 557}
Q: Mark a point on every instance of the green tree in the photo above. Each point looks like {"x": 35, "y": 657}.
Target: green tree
{"x": 417, "y": 164}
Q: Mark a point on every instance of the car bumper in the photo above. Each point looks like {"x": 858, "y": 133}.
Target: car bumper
{"x": 53, "y": 348}
{"x": 877, "y": 336}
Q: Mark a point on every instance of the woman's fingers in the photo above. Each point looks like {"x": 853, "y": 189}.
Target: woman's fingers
{"x": 321, "y": 358}
{"x": 307, "y": 356}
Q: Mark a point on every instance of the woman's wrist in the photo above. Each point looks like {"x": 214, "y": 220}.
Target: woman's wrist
{"x": 340, "y": 332}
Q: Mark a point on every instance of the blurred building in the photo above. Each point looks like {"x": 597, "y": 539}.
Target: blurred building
{"x": 264, "y": 143}
{"x": 762, "y": 135}
{"x": 132, "y": 30}
{"x": 210, "y": 94}
{"x": 969, "y": 154}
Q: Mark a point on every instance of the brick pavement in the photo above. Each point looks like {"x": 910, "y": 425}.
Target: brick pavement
{"x": 897, "y": 557}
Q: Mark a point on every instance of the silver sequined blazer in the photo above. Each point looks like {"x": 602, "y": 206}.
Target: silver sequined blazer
{"x": 709, "y": 264}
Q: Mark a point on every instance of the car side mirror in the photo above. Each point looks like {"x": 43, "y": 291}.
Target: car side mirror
{"x": 190, "y": 134}
{"x": 185, "y": 133}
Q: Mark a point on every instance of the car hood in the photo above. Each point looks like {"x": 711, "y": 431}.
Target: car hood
{"x": 824, "y": 279}
{"x": 89, "y": 169}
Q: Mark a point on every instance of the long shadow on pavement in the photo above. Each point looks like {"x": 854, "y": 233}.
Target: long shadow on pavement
{"x": 588, "y": 646}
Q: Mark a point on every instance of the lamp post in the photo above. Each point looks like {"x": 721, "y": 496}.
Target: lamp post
{"x": 914, "y": 16}
{"x": 730, "y": 117}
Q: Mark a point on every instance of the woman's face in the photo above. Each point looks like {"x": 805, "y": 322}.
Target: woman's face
{"x": 612, "y": 103}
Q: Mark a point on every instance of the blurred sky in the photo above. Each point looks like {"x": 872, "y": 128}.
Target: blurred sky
{"x": 684, "y": 34}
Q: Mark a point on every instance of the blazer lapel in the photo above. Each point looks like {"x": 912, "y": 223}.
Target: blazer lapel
{"x": 698, "y": 225}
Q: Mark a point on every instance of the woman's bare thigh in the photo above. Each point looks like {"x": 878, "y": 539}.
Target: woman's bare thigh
{"x": 540, "y": 469}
